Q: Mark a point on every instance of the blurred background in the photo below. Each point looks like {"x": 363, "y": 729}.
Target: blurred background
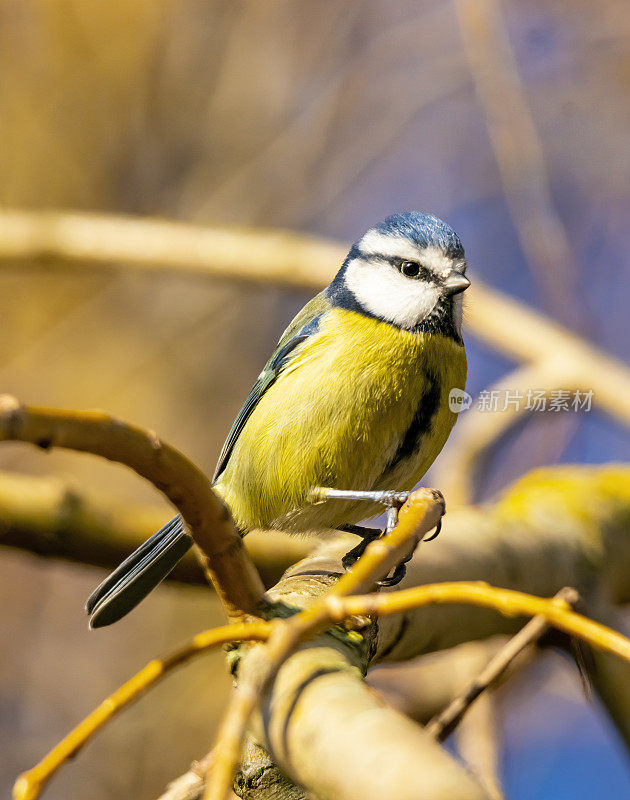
{"x": 321, "y": 116}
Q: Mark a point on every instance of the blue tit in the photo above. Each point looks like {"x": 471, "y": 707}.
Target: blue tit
{"x": 355, "y": 396}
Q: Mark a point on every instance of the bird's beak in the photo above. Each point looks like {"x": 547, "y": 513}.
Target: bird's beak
{"x": 455, "y": 283}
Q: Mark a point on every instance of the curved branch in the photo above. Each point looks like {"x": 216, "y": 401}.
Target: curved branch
{"x": 555, "y": 611}
{"x": 223, "y": 555}
{"x": 477, "y": 431}
{"x": 285, "y": 258}
{"x": 57, "y": 518}
{"x": 29, "y": 784}
{"x": 250, "y": 254}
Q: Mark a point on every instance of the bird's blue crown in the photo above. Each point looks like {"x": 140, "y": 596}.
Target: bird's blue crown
{"x": 425, "y": 230}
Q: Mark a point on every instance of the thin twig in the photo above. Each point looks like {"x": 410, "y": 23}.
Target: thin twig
{"x": 29, "y": 784}
{"x": 445, "y": 723}
{"x": 508, "y": 602}
{"x": 223, "y": 555}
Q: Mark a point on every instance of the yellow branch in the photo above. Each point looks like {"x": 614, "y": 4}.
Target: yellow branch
{"x": 333, "y": 608}
{"x": 506, "y": 601}
{"x": 29, "y": 784}
{"x": 224, "y": 556}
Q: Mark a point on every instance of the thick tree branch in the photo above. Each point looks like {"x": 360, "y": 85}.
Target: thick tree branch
{"x": 57, "y": 518}
{"x": 422, "y": 512}
{"x": 330, "y": 733}
{"x": 223, "y": 554}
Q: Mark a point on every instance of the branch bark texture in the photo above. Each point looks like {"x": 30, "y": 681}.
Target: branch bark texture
{"x": 223, "y": 554}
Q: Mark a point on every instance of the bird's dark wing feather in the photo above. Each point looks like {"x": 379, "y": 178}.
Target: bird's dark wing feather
{"x": 303, "y": 326}
{"x": 152, "y": 561}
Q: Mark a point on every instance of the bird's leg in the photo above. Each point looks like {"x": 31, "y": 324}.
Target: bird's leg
{"x": 393, "y": 502}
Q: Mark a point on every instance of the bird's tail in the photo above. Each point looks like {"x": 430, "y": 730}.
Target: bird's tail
{"x": 139, "y": 574}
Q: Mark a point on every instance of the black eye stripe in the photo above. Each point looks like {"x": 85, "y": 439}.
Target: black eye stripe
{"x": 425, "y": 274}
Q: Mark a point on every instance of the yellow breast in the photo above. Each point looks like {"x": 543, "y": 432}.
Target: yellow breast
{"x": 362, "y": 405}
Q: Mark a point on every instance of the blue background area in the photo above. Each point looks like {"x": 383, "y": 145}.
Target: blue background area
{"x": 560, "y": 746}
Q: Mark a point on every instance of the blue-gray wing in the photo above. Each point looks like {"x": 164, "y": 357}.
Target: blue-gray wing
{"x": 283, "y": 355}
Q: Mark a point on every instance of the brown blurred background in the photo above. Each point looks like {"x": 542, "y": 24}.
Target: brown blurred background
{"x": 321, "y": 116}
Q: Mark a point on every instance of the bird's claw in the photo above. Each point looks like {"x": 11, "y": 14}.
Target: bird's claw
{"x": 395, "y": 578}
{"x": 435, "y": 533}
{"x": 399, "y": 572}
{"x": 352, "y": 556}
{"x": 392, "y": 502}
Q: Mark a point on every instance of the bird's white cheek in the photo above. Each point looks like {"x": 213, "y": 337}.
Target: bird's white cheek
{"x": 387, "y": 294}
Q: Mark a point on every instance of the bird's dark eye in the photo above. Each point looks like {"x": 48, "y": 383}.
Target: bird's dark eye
{"x": 410, "y": 268}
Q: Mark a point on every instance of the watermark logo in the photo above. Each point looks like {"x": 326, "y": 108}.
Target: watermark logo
{"x": 459, "y": 400}
{"x": 554, "y": 400}
{"x": 498, "y": 400}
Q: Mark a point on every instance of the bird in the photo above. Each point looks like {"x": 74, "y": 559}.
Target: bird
{"x": 355, "y": 396}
